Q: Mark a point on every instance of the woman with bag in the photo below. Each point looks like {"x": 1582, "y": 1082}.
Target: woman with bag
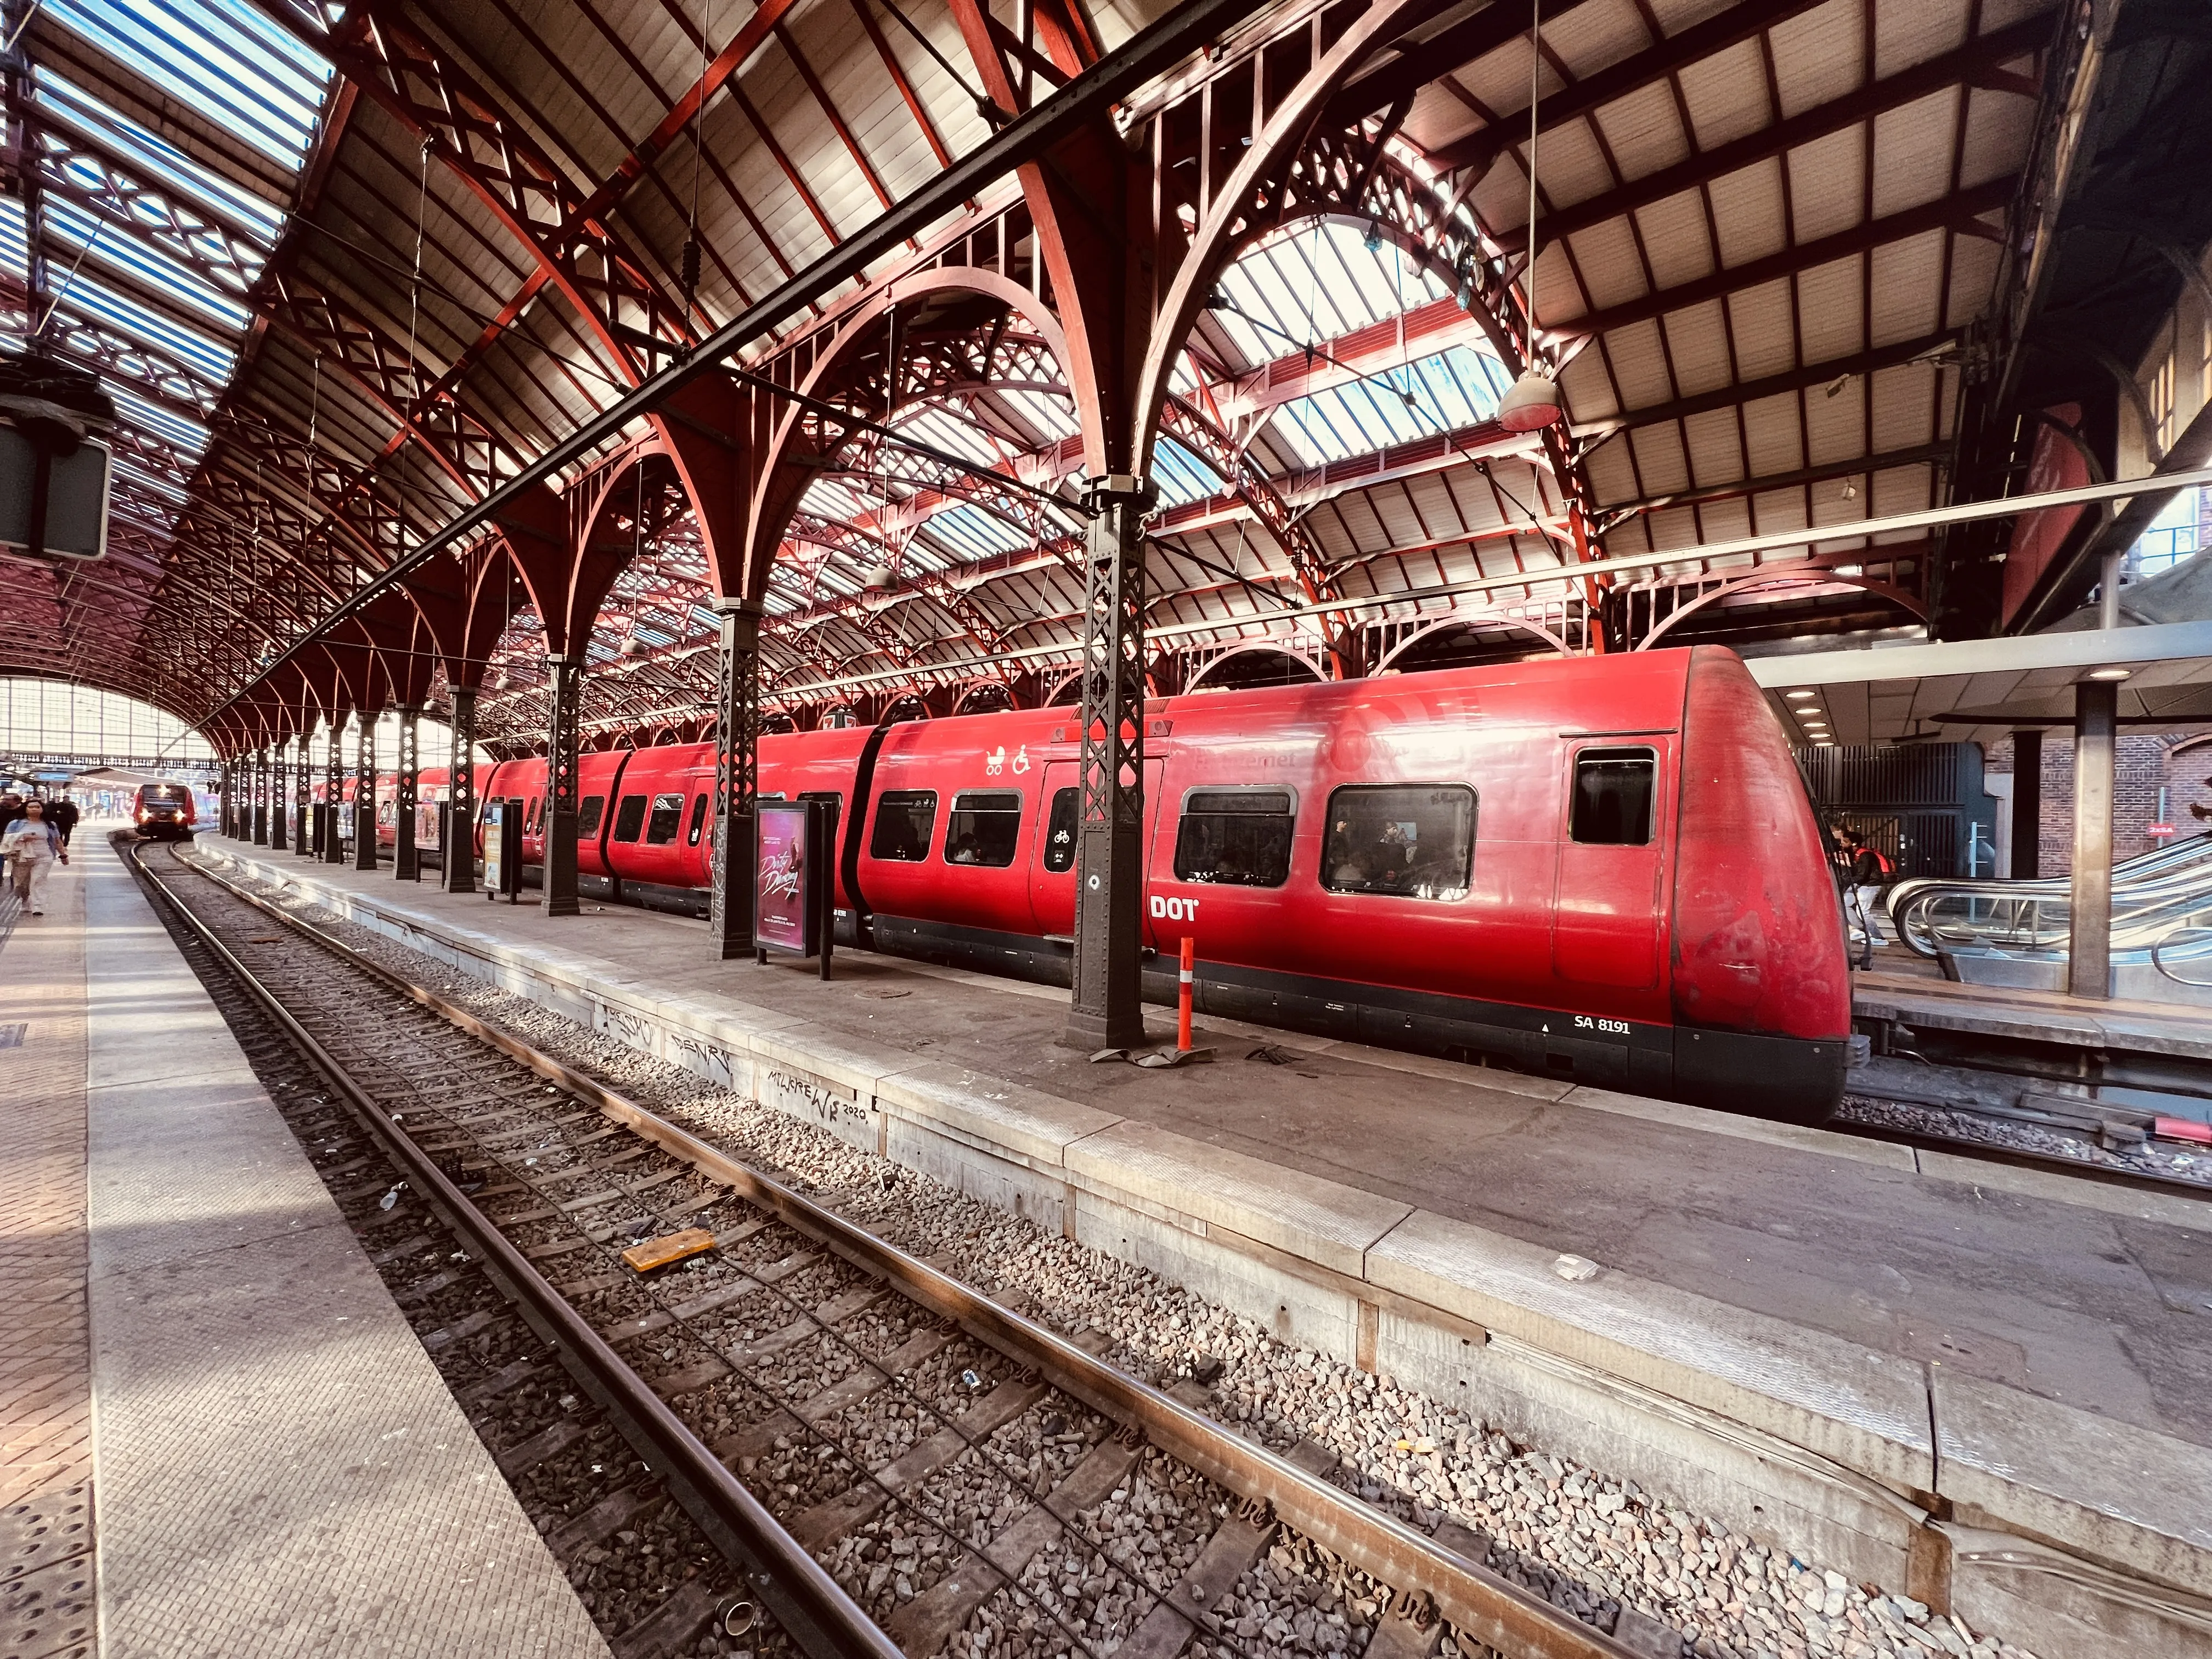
{"x": 34, "y": 845}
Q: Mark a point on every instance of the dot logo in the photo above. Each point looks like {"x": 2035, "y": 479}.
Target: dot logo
{"x": 1174, "y": 910}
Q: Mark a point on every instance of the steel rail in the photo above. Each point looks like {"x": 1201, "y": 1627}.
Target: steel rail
{"x": 1186, "y": 29}
{"x": 2021, "y": 1157}
{"x": 1484, "y": 1604}
{"x": 811, "y": 1607}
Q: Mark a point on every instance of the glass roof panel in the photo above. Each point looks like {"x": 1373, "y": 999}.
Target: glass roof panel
{"x": 73, "y": 231}
{"x": 158, "y": 161}
{"x": 219, "y": 58}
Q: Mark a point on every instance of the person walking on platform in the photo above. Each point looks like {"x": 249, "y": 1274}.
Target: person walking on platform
{"x": 1870, "y": 873}
{"x": 11, "y": 809}
{"x": 61, "y": 812}
{"x": 33, "y": 846}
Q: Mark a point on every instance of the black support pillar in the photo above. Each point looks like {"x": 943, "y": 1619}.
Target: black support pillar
{"x": 333, "y": 793}
{"x": 364, "y": 794}
{"x": 2089, "y": 953}
{"x": 564, "y": 676}
{"x": 736, "y": 777}
{"x": 1107, "y": 1010}
{"x": 260, "y": 777}
{"x": 226, "y": 807}
{"x": 406, "y": 864}
{"x": 303, "y": 792}
{"x": 280, "y": 800}
{"x": 2026, "y": 803}
{"x": 460, "y": 853}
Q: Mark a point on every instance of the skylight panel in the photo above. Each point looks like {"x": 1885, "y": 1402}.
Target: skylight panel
{"x": 1180, "y": 476}
{"x": 220, "y": 59}
{"x": 1053, "y": 417}
{"x": 160, "y": 161}
{"x": 189, "y": 436}
{"x": 936, "y": 428}
{"x": 97, "y": 303}
{"x": 112, "y": 244}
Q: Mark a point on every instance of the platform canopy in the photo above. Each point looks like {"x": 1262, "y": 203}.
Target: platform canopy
{"x": 348, "y": 269}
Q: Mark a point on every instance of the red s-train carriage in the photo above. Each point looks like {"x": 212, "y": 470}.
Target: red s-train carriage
{"x": 1604, "y": 868}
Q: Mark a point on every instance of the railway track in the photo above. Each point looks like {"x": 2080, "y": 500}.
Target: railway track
{"x": 2079, "y": 1138}
{"x": 875, "y": 1453}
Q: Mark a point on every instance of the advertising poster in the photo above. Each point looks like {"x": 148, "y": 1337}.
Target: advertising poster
{"x": 780, "y": 907}
{"x": 494, "y": 875}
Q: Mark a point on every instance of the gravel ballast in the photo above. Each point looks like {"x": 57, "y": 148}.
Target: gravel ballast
{"x": 1585, "y": 1541}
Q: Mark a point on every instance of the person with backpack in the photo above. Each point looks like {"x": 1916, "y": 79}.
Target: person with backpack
{"x": 35, "y": 846}
{"x": 1871, "y": 870}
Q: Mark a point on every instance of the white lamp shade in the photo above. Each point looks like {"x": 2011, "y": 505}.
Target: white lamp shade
{"x": 1531, "y": 406}
{"x": 881, "y": 576}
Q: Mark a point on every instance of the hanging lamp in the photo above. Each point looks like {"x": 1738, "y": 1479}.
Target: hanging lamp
{"x": 1532, "y": 403}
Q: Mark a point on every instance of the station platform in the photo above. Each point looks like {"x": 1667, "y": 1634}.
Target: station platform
{"x": 1989, "y": 1387}
{"x": 222, "y": 1437}
{"x": 2118, "y": 1026}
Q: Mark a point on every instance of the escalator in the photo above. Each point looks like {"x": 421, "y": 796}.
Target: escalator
{"x": 2017, "y": 933}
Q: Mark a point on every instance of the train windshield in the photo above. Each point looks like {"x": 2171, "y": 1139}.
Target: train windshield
{"x": 1240, "y": 838}
{"x": 175, "y": 792}
{"x": 1407, "y": 841}
{"x": 982, "y": 828}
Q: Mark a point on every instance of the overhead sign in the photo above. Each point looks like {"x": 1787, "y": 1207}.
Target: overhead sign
{"x": 74, "y": 507}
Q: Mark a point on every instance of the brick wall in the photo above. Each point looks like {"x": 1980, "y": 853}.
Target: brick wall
{"x": 2142, "y": 766}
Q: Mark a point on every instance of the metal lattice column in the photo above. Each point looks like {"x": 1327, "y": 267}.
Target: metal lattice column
{"x": 565, "y": 675}
{"x": 460, "y": 852}
{"x": 333, "y": 793}
{"x": 224, "y": 808}
{"x": 280, "y": 804}
{"x": 364, "y": 794}
{"x": 303, "y": 792}
{"x": 405, "y": 862}
{"x": 260, "y": 776}
{"x": 736, "y": 777}
{"x": 1108, "y": 1009}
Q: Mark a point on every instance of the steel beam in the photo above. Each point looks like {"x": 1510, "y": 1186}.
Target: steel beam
{"x": 564, "y": 680}
{"x": 406, "y": 861}
{"x": 1108, "y": 1009}
{"x": 736, "y": 777}
{"x": 459, "y": 874}
{"x": 2089, "y": 943}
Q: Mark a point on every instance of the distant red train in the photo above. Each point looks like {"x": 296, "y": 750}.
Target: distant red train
{"x": 166, "y": 810}
{"x": 1603, "y": 868}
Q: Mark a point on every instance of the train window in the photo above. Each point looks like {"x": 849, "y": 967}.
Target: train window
{"x": 1614, "y": 789}
{"x": 1059, "y": 832}
{"x": 629, "y": 817}
{"x": 1239, "y": 837}
{"x": 587, "y": 819}
{"x": 1410, "y": 841}
{"x": 698, "y": 820}
{"x": 667, "y": 818}
{"x": 982, "y": 828}
{"x": 904, "y": 821}
{"x": 532, "y": 820}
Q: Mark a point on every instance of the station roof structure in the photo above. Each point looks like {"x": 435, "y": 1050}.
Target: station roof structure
{"x": 348, "y": 267}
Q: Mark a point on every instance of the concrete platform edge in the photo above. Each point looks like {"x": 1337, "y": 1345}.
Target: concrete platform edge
{"x": 1773, "y": 1449}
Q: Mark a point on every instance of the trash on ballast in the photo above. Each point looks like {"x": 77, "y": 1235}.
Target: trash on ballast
{"x": 971, "y": 1379}
{"x": 1575, "y": 1269}
{"x": 389, "y": 1198}
{"x": 669, "y": 1247}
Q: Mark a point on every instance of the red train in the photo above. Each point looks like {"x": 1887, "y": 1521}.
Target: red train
{"x": 166, "y": 810}
{"x": 1604, "y": 869}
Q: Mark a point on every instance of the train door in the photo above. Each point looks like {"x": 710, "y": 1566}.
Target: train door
{"x": 1052, "y": 885}
{"x": 1608, "y": 914}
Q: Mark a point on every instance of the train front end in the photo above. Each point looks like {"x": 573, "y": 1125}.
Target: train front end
{"x": 165, "y": 812}
{"x": 1761, "y": 981}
